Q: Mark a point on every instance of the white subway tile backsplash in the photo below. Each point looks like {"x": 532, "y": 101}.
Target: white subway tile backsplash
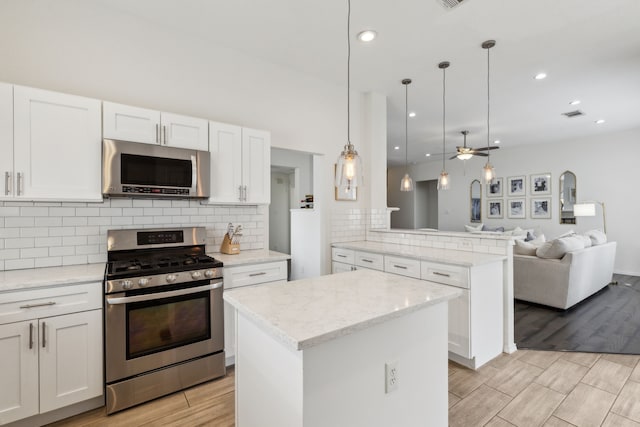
{"x": 53, "y": 234}
{"x": 34, "y": 253}
{"x": 17, "y": 264}
{"x": 14, "y": 221}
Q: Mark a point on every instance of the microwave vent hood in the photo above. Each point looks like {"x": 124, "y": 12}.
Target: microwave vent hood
{"x": 133, "y": 169}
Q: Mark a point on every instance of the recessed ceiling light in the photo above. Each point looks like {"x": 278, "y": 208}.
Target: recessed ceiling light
{"x": 575, "y": 102}
{"x": 412, "y": 114}
{"x": 396, "y": 148}
{"x": 367, "y": 36}
{"x": 428, "y": 155}
{"x": 497, "y": 141}
{"x": 600, "y": 121}
{"x": 541, "y": 76}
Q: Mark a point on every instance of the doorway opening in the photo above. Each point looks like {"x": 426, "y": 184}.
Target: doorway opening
{"x": 426, "y": 204}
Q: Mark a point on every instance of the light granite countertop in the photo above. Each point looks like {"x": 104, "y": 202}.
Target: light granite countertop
{"x": 14, "y": 280}
{"x": 249, "y": 257}
{"x": 443, "y": 256}
{"x": 308, "y": 312}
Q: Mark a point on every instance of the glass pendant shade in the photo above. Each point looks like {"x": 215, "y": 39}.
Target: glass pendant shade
{"x": 488, "y": 173}
{"x": 349, "y": 169}
{"x": 443, "y": 181}
{"x": 406, "y": 184}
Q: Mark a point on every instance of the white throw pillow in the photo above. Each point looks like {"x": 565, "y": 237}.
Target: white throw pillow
{"x": 528, "y": 248}
{"x": 597, "y": 237}
{"x": 557, "y": 248}
{"x": 585, "y": 239}
{"x": 472, "y": 228}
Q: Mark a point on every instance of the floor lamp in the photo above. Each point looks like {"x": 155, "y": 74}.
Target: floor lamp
{"x": 589, "y": 209}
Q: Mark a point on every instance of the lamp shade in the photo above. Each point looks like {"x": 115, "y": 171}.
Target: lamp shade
{"x": 584, "y": 209}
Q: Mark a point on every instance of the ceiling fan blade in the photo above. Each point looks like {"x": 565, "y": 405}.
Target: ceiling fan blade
{"x": 453, "y": 157}
{"x": 485, "y": 148}
{"x": 480, "y": 154}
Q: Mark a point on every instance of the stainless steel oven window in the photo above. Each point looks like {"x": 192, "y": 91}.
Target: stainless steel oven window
{"x": 159, "y": 325}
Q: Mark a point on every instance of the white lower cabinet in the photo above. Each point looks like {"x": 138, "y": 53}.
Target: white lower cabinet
{"x": 53, "y": 358}
{"x": 246, "y": 275}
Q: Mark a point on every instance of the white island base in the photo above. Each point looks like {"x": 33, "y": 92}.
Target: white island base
{"x": 341, "y": 380}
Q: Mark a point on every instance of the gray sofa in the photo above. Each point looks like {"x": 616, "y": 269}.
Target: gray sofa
{"x": 564, "y": 282}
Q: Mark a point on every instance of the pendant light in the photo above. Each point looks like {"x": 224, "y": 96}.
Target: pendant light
{"x": 406, "y": 184}
{"x": 488, "y": 172}
{"x": 349, "y": 165}
{"x": 443, "y": 179}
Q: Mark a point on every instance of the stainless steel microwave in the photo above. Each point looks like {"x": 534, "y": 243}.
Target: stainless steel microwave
{"x": 145, "y": 170}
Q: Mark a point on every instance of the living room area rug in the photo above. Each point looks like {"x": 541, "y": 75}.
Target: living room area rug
{"x": 607, "y": 322}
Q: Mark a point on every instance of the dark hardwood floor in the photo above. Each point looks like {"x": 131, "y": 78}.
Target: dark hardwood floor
{"x": 607, "y": 322}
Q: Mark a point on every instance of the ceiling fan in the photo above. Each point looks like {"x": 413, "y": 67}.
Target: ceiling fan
{"x": 465, "y": 153}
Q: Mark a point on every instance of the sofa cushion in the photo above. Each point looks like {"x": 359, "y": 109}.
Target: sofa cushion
{"x": 471, "y": 228}
{"x": 528, "y": 248}
{"x": 485, "y": 228}
{"x": 585, "y": 239}
{"x": 557, "y": 248}
{"x": 597, "y": 237}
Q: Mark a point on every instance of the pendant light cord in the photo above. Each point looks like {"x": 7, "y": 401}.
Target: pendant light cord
{"x": 488, "y": 109}
{"x": 444, "y": 113}
{"x": 406, "y": 127}
{"x": 348, "y": 71}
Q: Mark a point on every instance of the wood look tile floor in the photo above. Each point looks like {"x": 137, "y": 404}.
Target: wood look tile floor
{"x": 525, "y": 389}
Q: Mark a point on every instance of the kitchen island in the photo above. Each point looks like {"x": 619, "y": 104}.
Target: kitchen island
{"x": 362, "y": 348}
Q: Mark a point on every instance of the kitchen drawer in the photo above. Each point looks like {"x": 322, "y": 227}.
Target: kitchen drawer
{"x": 54, "y": 301}
{"x": 402, "y": 266}
{"x": 338, "y": 267}
{"x": 346, "y": 256}
{"x": 446, "y": 274}
{"x": 369, "y": 260}
{"x": 253, "y": 274}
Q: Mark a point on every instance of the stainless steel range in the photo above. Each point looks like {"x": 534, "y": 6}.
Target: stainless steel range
{"x": 163, "y": 314}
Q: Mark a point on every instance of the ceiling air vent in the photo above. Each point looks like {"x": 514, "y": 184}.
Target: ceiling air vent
{"x": 575, "y": 113}
{"x": 450, "y": 4}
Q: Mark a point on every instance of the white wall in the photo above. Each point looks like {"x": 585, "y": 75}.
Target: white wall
{"x": 606, "y": 170}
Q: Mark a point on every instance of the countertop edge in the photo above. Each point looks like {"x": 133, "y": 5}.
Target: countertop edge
{"x": 45, "y": 277}
{"x": 483, "y": 258}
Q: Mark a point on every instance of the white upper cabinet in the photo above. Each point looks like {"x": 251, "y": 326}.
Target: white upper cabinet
{"x": 6, "y": 139}
{"x": 240, "y": 164}
{"x": 136, "y": 124}
{"x": 57, "y": 146}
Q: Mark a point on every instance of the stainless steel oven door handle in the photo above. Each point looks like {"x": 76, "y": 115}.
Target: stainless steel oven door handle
{"x": 160, "y": 295}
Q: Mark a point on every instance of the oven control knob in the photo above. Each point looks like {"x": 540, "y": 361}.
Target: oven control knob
{"x": 209, "y": 273}
{"x": 143, "y": 282}
{"x": 171, "y": 278}
{"x": 195, "y": 275}
{"x": 127, "y": 284}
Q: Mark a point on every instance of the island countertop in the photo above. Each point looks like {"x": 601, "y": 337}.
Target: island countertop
{"x": 308, "y": 312}
{"x": 443, "y": 256}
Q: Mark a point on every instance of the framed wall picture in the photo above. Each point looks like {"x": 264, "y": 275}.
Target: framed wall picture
{"x": 540, "y": 184}
{"x": 541, "y": 208}
{"x": 344, "y": 193}
{"x": 516, "y": 186}
{"x": 516, "y": 208}
{"x": 494, "y": 188}
{"x": 494, "y": 209}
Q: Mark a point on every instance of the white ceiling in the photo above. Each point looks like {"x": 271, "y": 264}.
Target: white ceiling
{"x": 590, "y": 50}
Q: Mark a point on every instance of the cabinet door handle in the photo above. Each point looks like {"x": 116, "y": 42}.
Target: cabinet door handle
{"x": 164, "y": 134}
{"x": 240, "y": 192}
{"x": 437, "y": 273}
{"x": 30, "y": 336}
{"x": 7, "y": 183}
{"x": 366, "y": 260}
{"x": 245, "y": 193}
{"x": 400, "y": 266}
{"x": 262, "y": 273}
{"x": 38, "y": 305}
{"x": 44, "y": 336}
{"x": 19, "y": 184}
{"x": 341, "y": 256}
{"x": 157, "y": 133}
